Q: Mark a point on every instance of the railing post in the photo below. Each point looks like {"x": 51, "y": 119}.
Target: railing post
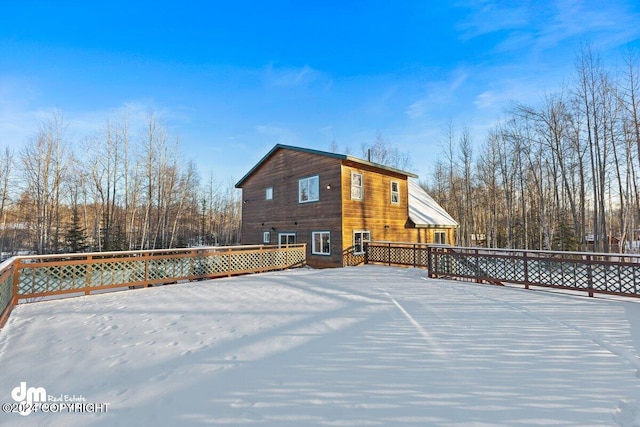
{"x": 192, "y": 262}
{"x": 589, "y": 276}
{"x": 87, "y": 289}
{"x": 262, "y": 263}
{"x": 366, "y": 252}
{"x": 146, "y": 269}
{"x": 414, "y": 255}
{"x": 429, "y": 263}
{"x": 6, "y": 310}
{"x": 16, "y": 281}
{"x": 477, "y": 266}
{"x": 526, "y": 270}
{"x": 389, "y": 253}
{"x": 286, "y": 256}
{"x": 229, "y": 262}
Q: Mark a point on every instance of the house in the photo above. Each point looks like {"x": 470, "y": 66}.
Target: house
{"x": 335, "y": 203}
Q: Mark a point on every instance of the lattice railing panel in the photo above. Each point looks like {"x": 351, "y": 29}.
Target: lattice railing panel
{"x": 52, "y": 278}
{"x": 402, "y": 256}
{"x": 60, "y": 274}
{"x": 445, "y": 263}
{"x": 278, "y": 257}
{"x": 117, "y": 272}
{"x": 169, "y": 268}
{"x": 579, "y": 275}
{"x": 211, "y": 265}
{"x": 628, "y": 279}
{"x": 501, "y": 268}
{"x": 600, "y": 275}
{"x": 246, "y": 261}
{"x": 377, "y": 254}
{"x": 6, "y": 291}
{"x": 422, "y": 257}
{"x": 564, "y": 270}
{"x": 297, "y": 256}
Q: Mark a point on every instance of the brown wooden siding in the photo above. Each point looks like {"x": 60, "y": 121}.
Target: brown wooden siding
{"x": 284, "y": 213}
{"x": 335, "y": 212}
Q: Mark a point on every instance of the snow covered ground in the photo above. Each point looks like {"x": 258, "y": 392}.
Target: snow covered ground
{"x": 359, "y": 346}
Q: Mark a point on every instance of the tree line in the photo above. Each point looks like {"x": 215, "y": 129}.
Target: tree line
{"x": 562, "y": 174}
{"x": 120, "y": 189}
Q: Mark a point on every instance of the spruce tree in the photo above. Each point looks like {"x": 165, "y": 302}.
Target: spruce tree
{"x": 76, "y": 239}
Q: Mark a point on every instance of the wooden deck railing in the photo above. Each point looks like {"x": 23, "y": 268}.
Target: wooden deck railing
{"x": 617, "y": 274}
{"x": 27, "y": 277}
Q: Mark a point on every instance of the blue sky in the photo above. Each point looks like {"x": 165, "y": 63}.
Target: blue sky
{"x": 231, "y": 79}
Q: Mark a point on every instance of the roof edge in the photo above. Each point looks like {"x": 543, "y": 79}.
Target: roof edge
{"x": 286, "y": 147}
{"x": 320, "y": 153}
{"x": 379, "y": 166}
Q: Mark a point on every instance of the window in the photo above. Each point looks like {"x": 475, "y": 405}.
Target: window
{"x": 266, "y": 237}
{"x": 269, "y": 193}
{"x": 287, "y": 238}
{"x": 356, "y": 186}
{"x": 308, "y": 189}
{"x": 359, "y": 239}
{"x": 321, "y": 243}
{"x": 440, "y": 237}
{"x": 395, "y": 192}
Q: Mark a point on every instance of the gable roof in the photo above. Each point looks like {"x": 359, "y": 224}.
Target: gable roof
{"x": 425, "y": 212}
{"x": 320, "y": 153}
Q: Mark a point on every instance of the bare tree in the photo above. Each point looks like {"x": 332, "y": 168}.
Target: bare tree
{"x": 44, "y": 162}
{"x": 383, "y": 152}
{"x": 6, "y": 168}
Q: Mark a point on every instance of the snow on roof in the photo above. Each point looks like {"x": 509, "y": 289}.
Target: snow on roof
{"x": 426, "y": 212}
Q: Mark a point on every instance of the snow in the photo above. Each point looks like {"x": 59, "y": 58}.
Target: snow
{"x": 424, "y": 211}
{"x": 632, "y": 247}
{"x": 357, "y": 346}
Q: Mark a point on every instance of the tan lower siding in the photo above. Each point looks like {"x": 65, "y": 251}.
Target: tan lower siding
{"x": 392, "y": 234}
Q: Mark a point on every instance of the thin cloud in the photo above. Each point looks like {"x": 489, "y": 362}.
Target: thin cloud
{"x": 437, "y": 94}
{"x": 490, "y": 17}
{"x": 538, "y": 26}
{"x": 19, "y": 120}
{"x": 293, "y": 77}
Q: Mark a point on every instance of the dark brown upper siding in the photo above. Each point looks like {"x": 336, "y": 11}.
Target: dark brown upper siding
{"x": 282, "y": 171}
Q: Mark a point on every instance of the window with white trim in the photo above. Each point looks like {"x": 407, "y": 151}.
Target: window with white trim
{"x": 268, "y": 194}
{"x": 440, "y": 237}
{"x": 356, "y": 186}
{"x": 266, "y": 237}
{"x": 321, "y": 243}
{"x": 359, "y": 239}
{"x": 395, "y": 192}
{"x": 309, "y": 189}
{"x": 287, "y": 239}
